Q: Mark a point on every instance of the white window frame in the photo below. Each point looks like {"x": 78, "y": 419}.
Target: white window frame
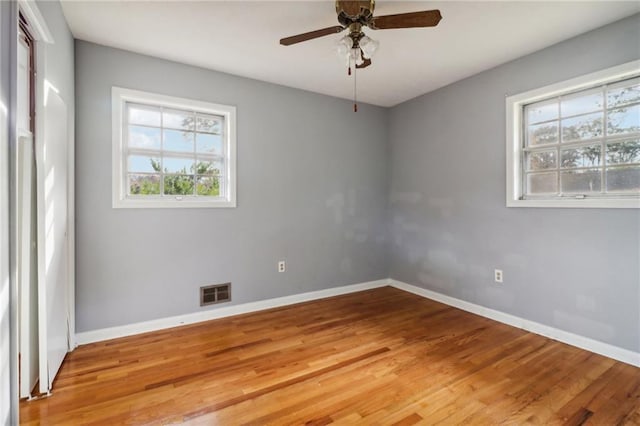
{"x": 120, "y": 96}
{"x": 515, "y": 139}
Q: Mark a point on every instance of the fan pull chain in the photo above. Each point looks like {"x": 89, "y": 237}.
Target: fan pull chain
{"x": 355, "y": 86}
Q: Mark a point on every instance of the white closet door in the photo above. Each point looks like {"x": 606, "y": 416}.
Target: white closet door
{"x": 53, "y": 276}
{"x": 27, "y": 283}
{"x": 25, "y": 247}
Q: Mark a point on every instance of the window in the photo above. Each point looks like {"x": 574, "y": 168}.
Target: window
{"x": 576, "y": 143}
{"x": 172, "y": 152}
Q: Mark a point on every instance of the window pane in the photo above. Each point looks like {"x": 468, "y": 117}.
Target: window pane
{"x": 585, "y": 156}
{"x": 144, "y": 114}
{"x": 143, "y": 163}
{"x": 581, "y": 104}
{"x": 144, "y": 137}
{"x": 542, "y": 111}
{"x": 542, "y": 183}
{"x": 623, "y": 152}
{"x": 208, "y": 123}
{"x": 543, "y": 133}
{"x": 144, "y": 184}
{"x": 623, "y": 95}
{"x": 542, "y": 160}
{"x": 624, "y": 120}
{"x": 178, "y": 140}
{"x": 582, "y": 127}
{"x": 178, "y": 185}
{"x": 177, "y": 119}
{"x": 208, "y": 186}
{"x": 210, "y": 144}
{"x": 621, "y": 179}
{"x": 178, "y": 165}
{"x": 209, "y": 168}
{"x": 581, "y": 181}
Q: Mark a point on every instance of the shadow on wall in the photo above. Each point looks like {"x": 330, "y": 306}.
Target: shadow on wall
{"x": 344, "y": 209}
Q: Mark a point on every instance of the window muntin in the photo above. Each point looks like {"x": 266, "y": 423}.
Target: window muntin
{"x": 584, "y": 143}
{"x": 172, "y": 152}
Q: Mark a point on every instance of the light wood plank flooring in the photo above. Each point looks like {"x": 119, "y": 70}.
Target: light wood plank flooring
{"x": 381, "y": 356}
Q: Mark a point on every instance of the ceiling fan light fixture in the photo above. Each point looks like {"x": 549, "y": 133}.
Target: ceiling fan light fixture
{"x": 369, "y": 46}
{"x": 347, "y": 41}
{"x": 355, "y": 56}
{"x": 344, "y": 47}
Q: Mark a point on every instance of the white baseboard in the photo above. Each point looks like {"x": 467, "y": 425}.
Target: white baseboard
{"x": 601, "y": 348}
{"x": 219, "y": 312}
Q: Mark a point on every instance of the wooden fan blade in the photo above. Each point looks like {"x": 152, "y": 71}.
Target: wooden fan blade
{"x": 427, "y": 18}
{"x": 311, "y": 35}
{"x": 364, "y": 64}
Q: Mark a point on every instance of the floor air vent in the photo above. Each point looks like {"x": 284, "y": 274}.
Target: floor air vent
{"x": 215, "y": 294}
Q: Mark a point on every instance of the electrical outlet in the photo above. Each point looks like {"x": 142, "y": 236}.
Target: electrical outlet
{"x": 282, "y": 266}
{"x": 497, "y": 275}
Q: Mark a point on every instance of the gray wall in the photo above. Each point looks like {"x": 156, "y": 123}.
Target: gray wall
{"x": 574, "y": 269}
{"x": 312, "y": 190}
{"x": 60, "y": 56}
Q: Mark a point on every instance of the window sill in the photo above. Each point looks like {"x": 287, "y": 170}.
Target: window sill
{"x": 586, "y": 203}
{"x": 172, "y": 203}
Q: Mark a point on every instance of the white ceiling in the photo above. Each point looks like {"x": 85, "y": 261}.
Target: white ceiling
{"x": 241, "y": 38}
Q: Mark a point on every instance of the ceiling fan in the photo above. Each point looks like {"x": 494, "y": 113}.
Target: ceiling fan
{"x": 354, "y": 15}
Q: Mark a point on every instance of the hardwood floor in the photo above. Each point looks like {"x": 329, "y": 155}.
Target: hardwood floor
{"x": 382, "y": 356}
